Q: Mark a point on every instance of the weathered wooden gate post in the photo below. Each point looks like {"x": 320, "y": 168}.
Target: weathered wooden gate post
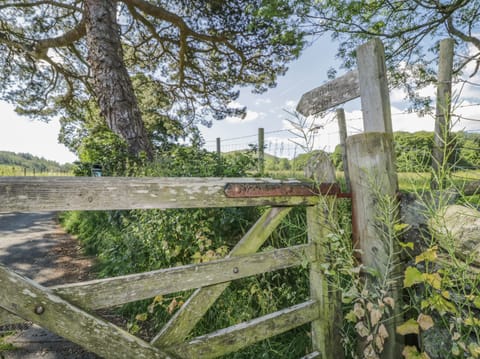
{"x": 443, "y": 113}
{"x": 261, "y": 151}
{"x": 342, "y": 128}
{"x": 371, "y": 161}
{"x": 326, "y": 329}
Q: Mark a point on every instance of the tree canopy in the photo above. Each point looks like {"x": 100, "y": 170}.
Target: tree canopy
{"x": 58, "y": 55}
{"x": 410, "y": 30}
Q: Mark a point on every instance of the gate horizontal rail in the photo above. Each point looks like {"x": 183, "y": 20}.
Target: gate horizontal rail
{"x": 104, "y": 293}
{"x": 116, "y": 193}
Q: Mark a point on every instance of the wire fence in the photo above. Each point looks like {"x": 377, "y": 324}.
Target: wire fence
{"x": 19, "y": 171}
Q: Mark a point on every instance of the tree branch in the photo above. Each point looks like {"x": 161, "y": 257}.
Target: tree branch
{"x": 38, "y": 3}
{"x": 185, "y": 30}
{"x": 454, "y": 31}
{"x": 75, "y": 34}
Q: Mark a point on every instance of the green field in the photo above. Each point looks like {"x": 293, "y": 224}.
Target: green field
{"x": 12, "y": 170}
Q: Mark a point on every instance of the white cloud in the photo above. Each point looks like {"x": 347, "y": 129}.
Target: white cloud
{"x": 262, "y": 101}
{"x": 290, "y": 105}
{"x": 468, "y": 117}
{"x": 249, "y": 117}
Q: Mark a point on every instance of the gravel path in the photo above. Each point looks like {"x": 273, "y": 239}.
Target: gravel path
{"x": 34, "y": 245}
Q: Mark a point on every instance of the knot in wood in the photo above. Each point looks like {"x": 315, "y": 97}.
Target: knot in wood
{"x": 39, "y": 309}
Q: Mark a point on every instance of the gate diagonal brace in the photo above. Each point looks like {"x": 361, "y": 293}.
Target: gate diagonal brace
{"x": 33, "y": 302}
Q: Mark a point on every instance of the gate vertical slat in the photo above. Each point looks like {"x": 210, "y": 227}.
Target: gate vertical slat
{"x": 326, "y": 329}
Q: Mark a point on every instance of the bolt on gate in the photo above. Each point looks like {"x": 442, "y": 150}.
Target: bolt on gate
{"x": 67, "y": 310}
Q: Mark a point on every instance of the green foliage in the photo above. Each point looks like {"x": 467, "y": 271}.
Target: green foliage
{"x": 443, "y": 288}
{"x": 5, "y": 346}
{"x": 141, "y": 240}
{"x": 194, "y": 54}
{"x": 413, "y": 151}
{"x": 103, "y": 149}
{"x": 14, "y": 164}
{"x": 410, "y": 31}
{"x": 273, "y": 163}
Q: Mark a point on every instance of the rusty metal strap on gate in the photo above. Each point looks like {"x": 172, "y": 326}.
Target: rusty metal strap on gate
{"x": 250, "y": 190}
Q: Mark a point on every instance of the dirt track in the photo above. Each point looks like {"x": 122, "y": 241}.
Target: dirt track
{"x": 34, "y": 245}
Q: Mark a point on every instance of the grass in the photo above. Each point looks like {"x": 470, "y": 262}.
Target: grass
{"x": 10, "y": 171}
{"x": 407, "y": 181}
{"x": 4, "y": 346}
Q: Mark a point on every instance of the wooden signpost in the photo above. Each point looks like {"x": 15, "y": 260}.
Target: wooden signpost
{"x": 331, "y": 94}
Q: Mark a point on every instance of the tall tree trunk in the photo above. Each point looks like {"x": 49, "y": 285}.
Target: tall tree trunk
{"x": 112, "y": 84}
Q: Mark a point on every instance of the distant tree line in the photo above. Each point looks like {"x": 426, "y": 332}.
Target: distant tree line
{"x": 413, "y": 153}
{"x": 31, "y": 162}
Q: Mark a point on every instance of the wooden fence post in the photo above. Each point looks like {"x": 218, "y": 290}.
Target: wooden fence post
{"x": 261, "y": 151}
{"x": 326, "y": 329}
{"x": 219, "y": 148}
{"x": 442, "y": 116}
{"x": 342, "y": 127}
{"x": 219, "y": 157}
{"x": 372, "y": 74}
{"x": 373, "y": 180}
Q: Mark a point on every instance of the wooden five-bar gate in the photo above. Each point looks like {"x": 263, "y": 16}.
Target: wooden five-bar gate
{"x": 67, "y": 310}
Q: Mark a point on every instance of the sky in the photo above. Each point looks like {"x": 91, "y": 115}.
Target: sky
{"x": 268, "y": 111}
{"x": 310, "y": 71}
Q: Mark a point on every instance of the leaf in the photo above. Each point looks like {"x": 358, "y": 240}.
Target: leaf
{"x": 141, "y": 317}
{"x": 172, "y": 306}
{"x": 369, "y": 352}
{"x": 375, "y": 316}
{"x": 358, "y": 310}
{"x": 476, "y": 302}
{"x": 389, "y": 301}
{"x": 401, "y": 227}
{"x": 430, "y": 255}
{"x": 409, "y": 327}
{"x": 382, "y": 331}
{"x": 351, "y": 317}
{"x": 472, "y": 321}
{"x": 425, "y": 321}
{"x": 439, "y": 303}
{"x": 456, "y": 350}
{"x": 410, "y": 352}
{"x": 412, "y": 276}
{"x": 435, "y": 280}
{"x": 379, "y": 341}
{"x": 409, "y": 245}
{"x": 361, "y": 329}
{"x": 474, "y": 350}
